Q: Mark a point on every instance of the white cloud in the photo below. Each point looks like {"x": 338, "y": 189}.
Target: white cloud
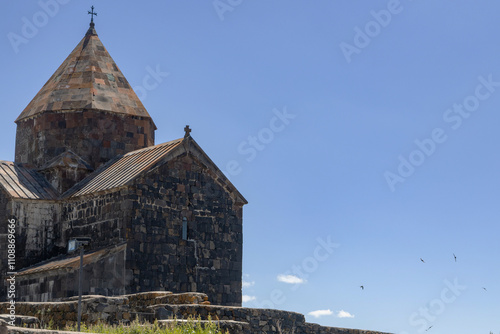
{"x": 247, "y": 284}
{"x": 246, "y": 298}
{"x": 344, "y": 314}
{"x": 320, "y": 313}
{"x": 290, "y": 279}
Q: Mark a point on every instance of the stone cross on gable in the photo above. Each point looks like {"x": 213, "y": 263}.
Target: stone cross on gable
{"x": 92, "y": 13}
{"x": 187, "y": 131}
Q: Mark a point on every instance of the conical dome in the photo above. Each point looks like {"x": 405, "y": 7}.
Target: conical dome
{"x": 86, "y": 107}
{"x": 87, "y": 79}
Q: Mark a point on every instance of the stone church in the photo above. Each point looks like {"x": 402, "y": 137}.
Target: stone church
{"x": 160, "y": 216}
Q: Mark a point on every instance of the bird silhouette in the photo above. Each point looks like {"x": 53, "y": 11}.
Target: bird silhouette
{"x": 422, "y": 260}
{"x": 484, "y": 289}
{"x": 428, "y": 328}
{"x": 362, "y": 287}
{"x": 455, "y": 257}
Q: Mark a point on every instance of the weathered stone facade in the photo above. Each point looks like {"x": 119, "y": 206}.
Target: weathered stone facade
{"x": 95, "y": 136}
{"x": 210, "y": 259}
{"x": 37, "y": 230}
{"x": 65, "y": 170}
{"x": 147, "y": 216}
{"x": 105, "y": 275}
{"x": 159, "y": 217}
{"x": 88, "y": 107}
{"x": 5, "y": 215}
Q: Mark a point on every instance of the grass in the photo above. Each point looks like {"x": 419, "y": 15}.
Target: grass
{"x": 136, "y": 327}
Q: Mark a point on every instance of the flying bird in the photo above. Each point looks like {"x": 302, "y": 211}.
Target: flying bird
{"x": 428, "y": 328}
{"x": 422, "y": 260}
{"x": 455, "y": 257}
{"x": 484, "y": 289}
{"x": 362, "y": 287}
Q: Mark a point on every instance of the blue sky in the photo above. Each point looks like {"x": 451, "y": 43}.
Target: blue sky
{"x": 364, "y": 136}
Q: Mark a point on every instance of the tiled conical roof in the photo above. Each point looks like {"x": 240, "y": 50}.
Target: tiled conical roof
{"x": 87, "y": 80}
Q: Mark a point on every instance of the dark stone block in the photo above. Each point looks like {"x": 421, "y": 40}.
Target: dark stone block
{"x": 162, "y": 314}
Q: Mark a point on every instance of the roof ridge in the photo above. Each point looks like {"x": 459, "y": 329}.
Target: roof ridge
{"x": 153, "y": 147}
{"x": 122, "y": 170}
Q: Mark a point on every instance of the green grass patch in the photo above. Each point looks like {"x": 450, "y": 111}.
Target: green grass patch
{"x": 137, "y": 327}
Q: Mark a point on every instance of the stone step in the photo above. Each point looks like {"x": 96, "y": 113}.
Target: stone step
{"x": 21, "y": 320}
{"x": 183, "y": 298}
{"x": 21, "y": 330}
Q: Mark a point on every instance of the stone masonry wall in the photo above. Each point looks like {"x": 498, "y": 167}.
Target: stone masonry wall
{"x": 44, "y": 228}
{"x": 148, "y": 217}
{"x": 5, "y": 213}
{"x": 262, "y": 321}
{"x": 113, "y": 310}
{"x": 122, "y": 309}
{"x": 93, "y": 135}
{"x": 102, "y": 217}
{"x": 94, "y": 309}
{"x": 63, "y": 178}
{"x": 36, "y": 232}
{"x": 106, "y": 276}
{"x": 139, "y": 302}
{"x": 210, "y": 260}
{"x": 36, "y": 228}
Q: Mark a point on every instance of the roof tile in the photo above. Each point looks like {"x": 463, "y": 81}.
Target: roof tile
{"x": 87, "y": 79}
{"x": 72, "y": 262}
{"x": 24, "y": 183}
{"x": 121, "y": 170}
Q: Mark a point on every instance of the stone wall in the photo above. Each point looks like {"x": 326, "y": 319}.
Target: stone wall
{"x": 309, "y": 328}
{"x": 5, "y": 214}
{"x": 95, "y": 308}
{"x": 105, "y": 275}
{"x": 148, "y": 216}
{"x": 104, "y": 217}
{"x": 262, "y": 321}
{"x": 141, "y": 301}
{"x": 95, "y": 136}
{"x": 42, "y": 233}
{"x": 210, "y": 259}
{"x": 36, "y": 232}
{"x": 122, "y": 309}
{"x": 59, "y": 314}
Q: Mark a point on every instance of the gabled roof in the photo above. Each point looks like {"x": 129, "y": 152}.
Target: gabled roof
{"x": 20, "y": 182}
{"x": 72, "y": 262}
{"x": 122, "y": 170}
{"x": 87, "y": 79}
{"x": 67, "y": 159}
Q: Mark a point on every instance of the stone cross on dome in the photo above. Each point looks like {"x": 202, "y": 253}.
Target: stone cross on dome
{"x": 92, "y": 13}
{"x": 187, "y": 131}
